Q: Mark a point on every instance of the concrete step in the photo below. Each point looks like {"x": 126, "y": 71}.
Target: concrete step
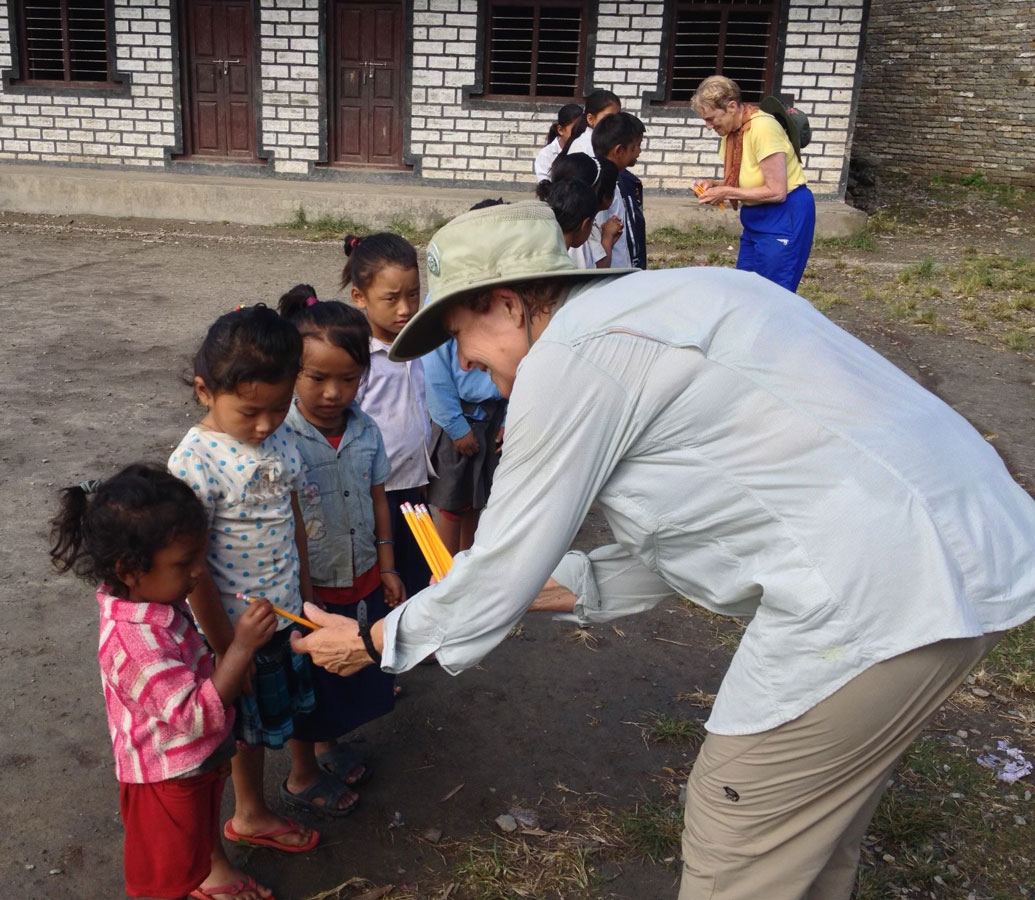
{"x": 59, "y": 190}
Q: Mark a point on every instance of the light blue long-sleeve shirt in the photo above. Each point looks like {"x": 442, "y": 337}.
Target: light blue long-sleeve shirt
{"x": 446, "y": 385}
{"x": 752, "y": 456}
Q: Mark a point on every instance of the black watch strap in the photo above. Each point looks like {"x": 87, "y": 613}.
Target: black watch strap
{"x": 364, "y": 631}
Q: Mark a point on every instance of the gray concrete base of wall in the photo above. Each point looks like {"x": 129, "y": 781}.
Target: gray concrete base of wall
{"x": 120, "y": 193}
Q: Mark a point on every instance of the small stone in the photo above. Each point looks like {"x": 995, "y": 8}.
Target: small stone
{"x": 54, "y": 872}
{"x": 888, "y": 858}
{"x": 506, "y": 823}
{"x": 956, "y": 796}
{"x": 432, "y": 835}
{"x": 963, "y": 733}
{"x": 527, "y": 817}
{"x": 30, "y": 866}
{"x": 1020, "y": 820}
{"x": 980, "y": 692}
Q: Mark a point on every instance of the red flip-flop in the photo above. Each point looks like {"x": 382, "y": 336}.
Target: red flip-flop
{"x": 269, "y": 838}
{"x": 234, "y": 890}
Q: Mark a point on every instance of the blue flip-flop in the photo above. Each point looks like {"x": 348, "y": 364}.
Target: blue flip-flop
{"x": 329, "y": 789}
{"x": 341, "y": 761}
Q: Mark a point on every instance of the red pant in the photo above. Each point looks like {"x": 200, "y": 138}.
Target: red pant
{"x": 170, "y": 828}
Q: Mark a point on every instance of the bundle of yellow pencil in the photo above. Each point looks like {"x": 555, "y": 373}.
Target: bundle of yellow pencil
{"x": 700, "y": 189}
{"x": 427, "y": 537}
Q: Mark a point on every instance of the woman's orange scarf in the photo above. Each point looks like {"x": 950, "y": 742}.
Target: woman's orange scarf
{"x": 735, "y": 149}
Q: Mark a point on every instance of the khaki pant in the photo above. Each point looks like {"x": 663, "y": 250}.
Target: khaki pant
{"x": 781, "y": 815}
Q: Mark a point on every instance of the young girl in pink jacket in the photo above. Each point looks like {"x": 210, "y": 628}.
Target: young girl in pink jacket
{"x": 142, "y": 537}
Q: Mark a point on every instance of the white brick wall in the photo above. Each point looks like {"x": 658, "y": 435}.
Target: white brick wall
{"x": 452, "y": 139}
{"x": 116, "y": 130}
{"x": 819, "y": 70}
{"x": 822, "y": 46}
{"x": 289, "y": 66}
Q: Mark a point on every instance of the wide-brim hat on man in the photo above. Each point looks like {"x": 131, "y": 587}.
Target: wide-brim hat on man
{"x": 794, "y": 122}
{"x": 505, "y": 244}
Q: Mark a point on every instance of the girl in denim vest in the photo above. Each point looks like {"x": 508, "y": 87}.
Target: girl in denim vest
{"x": 351, "y": 553}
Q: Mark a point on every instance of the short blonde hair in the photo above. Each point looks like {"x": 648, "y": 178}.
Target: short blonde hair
{"x": 717, "y": 91}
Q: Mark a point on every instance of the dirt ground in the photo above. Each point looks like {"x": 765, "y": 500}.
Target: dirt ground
{"x": 101, "y": 318}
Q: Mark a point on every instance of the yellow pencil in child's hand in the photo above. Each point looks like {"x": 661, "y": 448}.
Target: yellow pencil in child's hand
{"x": 281, "y": 612}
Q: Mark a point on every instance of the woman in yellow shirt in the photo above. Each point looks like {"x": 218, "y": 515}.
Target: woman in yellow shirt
{"x": 761, "y": 171}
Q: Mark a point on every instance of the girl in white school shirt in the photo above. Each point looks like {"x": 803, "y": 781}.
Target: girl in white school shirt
{"x": 382, "y": 269}
{"x": 557, "y": 137}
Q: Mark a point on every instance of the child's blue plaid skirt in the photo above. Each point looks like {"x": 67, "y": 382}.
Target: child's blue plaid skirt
{"x": 282, "y": 688}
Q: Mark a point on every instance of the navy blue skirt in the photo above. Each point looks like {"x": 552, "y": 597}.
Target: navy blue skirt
{"x": 343, "y": 703}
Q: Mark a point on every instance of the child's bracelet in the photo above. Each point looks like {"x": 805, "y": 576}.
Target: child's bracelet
{"x": 382, "y": 543}
{"x": 390, "y": 572}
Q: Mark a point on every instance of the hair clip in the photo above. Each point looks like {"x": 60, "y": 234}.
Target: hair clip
{"x": 352, "y": 244}
{"x": 597, "y": 161}
{"x": 238, "y": 308}
{"x": 311, "y": 301}
{"x": 90, "y": 487}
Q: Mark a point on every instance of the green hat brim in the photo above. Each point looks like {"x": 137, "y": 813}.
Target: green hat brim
{"x": 426, "y": 331}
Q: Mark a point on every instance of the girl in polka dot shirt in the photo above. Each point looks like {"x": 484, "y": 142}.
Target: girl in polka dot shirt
{"x": 247, "y": 472}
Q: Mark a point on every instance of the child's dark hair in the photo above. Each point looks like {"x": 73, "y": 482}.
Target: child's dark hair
{"x": 302, "y": 291}
{"x": 596, "y": 102}
{"x": 572, "y": 201}
{"x": 369, "y": 255}
{"x": 600, "y": 174}
{"x": 249, "y": 344}
{"x": 565, "y": 116}
{"x": 107, "y": 531}
{"x": 618, "y": 130}
{"x": 485, "y": 204}
{"x": 332, "y": 321}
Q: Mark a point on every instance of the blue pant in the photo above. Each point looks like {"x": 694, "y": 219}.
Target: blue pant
{"x": 777, "y": 237}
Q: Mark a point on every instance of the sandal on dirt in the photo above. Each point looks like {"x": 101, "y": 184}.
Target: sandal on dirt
{"x": 269, "y": 838}
{"x": 328, "y": 788}
{"x": 234, "y": 890}
{"x": 341, "y": 758}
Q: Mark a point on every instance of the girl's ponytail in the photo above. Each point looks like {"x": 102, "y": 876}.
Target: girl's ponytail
{"x": 296, "y": 301}
{"x": 337, "y": 323}
{"x": 566, "y": 115}
{"x": 368, "y": 255}
{"x": 596, "y": 102}
{"x": 67, "y": 529}
{"x": 106, "y": 531}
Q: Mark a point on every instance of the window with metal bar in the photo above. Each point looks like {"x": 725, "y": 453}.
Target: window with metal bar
{"x": 64, "y": 41}
{"x": 735, "y": 39}
{"x": 535, "y": 50}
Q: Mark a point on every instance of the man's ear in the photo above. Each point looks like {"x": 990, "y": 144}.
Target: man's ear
{"x": 512, "y": 303}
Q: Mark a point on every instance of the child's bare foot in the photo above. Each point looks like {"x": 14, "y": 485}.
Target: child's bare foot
{"x": 235, "y": 883}
{"x": 266, "y": 829}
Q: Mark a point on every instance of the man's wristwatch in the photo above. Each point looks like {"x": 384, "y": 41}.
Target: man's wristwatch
{"x": 364, "y": 632}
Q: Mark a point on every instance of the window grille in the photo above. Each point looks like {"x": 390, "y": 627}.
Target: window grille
{"x": 535, "y": 49}
{"x": 737, "y": 40}
{"x": 64, "y": 40}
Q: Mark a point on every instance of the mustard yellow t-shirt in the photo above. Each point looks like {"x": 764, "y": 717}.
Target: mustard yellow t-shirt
{"x": 764, "y": 138}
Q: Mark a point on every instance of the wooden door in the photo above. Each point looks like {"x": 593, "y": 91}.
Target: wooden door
{"x": 366, "y": 77}
{"x": 218, "y": 68}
